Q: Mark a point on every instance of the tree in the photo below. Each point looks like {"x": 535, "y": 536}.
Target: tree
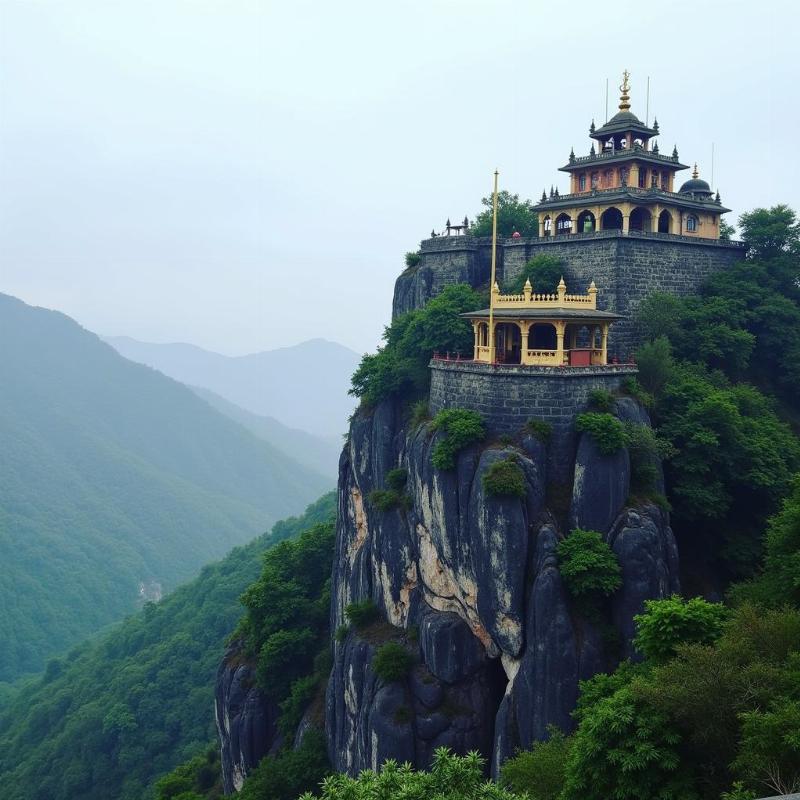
{"x": 543, "y": 271}
{"x": 450, "y": 777}
{"x": 513, "y": 214}
{"x": 539, "y": 772}
{"x": 587, "y": 564}
{"x": 668, "y": 623}
{"x": 770, "y": 233}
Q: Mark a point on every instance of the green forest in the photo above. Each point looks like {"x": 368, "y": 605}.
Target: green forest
{"x": 113, "y": 476}
{"x": 113, "y": 714}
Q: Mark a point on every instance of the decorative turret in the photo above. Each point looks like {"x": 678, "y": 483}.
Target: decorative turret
{"x": 627, "y": 184}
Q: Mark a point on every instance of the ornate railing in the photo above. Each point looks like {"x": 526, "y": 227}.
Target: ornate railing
{"x": 558, "y": 300}
{"x": 627, "y": 151}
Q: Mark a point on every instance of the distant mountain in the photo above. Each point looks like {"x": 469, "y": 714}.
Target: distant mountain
{"x": 116, "y": 483}
{"x": 112, "y": 715}
{"x": 304, "y": 386}
{"x": 320, "y": 453}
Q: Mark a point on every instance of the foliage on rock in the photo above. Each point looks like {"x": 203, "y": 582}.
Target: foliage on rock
{"x": 539, "y": 773}
{"x": 392, "y": 662}
{"x": 605, "y": 429}
{"x": 400, "y": 367}
{"x": 362, "y": 613}
{"x": 504, "y": 479}
{"x": 543, "y": 271}
{"x": 461, "y": 428}
{"x": 587, "y": 564}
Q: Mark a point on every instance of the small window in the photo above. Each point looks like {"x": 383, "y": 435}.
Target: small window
{"x": 664, "y": 181}
{"x": 691, "y": 223}
{"x": 582, "y": 183}
{"x": 654, "y": 180}
{"x": 623, "y": 176}
{"x": 595, "y": 179}
{"x": 642, "y": 177}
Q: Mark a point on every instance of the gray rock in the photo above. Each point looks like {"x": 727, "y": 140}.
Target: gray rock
{"x": 449, "y": 648}
{"x": 601, "y": 486}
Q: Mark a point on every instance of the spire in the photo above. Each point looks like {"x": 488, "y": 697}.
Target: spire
{"x": 624, "y": 98}
{"x": 544, "y": 195}
{"x": 695, "y": 173}
{"x": 591, "y": 127}
{"x": 675, "y": 151}
{"x": 655, "y": 124}
{"x": 655, "y": 147}
{"x": 591, "y": 151}
{"x": 572, "y": 155}
{"x": 717, "y": 199}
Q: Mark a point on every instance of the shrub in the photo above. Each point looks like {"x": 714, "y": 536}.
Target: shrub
{"x": 539, "y": 429}
{"x": 504, "y": 479}
{"x": 391, "y": 662}
{"x": 606, "y": 430}
{"x": 396, "y": 479}
{"x": 513, "y": 214}
{"x": 601, "y": 399}
{"x": 654, "y": 361}
{"x": 387, "y": 499}
{"x": 587, "y": 564}
{"x": 645, "y": 449}
{"x": 540, "y": 770}
{"x": 362, "y": 613}
{"x": 413, "y": 259}
{"x": 543, "y": 271}
{"x": 420, "y": 412}
{"x": 668, "y": 623}
{"x": 634, "y": 389}
{"x": 461, "y": 428}
{"x": 294, "y": 706}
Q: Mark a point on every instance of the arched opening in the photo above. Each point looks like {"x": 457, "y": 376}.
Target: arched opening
{"x": 641, "y": 220}
{"x": 582, "y": 342}
{"x": 548, "y": 224}
{"x": 691, "y": 223}
{"x": 508, "y": 343}
{"x": 563, "y": 224}
{"x": 611, "y": 220}
{"x": 586, "y": 222}
{"x": 483, "y": 334}
{"x": 542, "y": 336}
{"x": 665, "y": 222}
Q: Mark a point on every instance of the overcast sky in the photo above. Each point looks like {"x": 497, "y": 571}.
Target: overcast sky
{"x": 247, "y": 175}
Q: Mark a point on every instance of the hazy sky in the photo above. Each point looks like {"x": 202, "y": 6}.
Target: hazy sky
{"x": 246, "y": 175}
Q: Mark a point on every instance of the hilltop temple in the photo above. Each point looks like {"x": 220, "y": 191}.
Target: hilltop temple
{"x": 626, "y": 184}
{"x": 620, "y": 224}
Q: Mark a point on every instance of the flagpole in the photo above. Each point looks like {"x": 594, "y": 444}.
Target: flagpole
{"x": 492, "y": 357}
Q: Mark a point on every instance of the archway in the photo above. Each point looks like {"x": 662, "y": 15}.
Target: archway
{"x": 665, "y": 222}
{"x": 508, "y": 343}
{"x": 692, "y": 223}
{"x": 542, "y": 336}
{"x": 641, "y": 220}
{"x": 547, "y": 225}
{"x": 563, "y": 224}
{"x": 611, "y": 219}
{"x": 586, "y": 222}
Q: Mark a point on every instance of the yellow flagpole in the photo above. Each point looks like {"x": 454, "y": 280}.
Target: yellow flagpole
{"x": 492, "y": 357}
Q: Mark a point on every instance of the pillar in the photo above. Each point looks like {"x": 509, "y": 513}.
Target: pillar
{"x": 524, "y": 328}
{"x": 476, "y": 326}
{"x": 560, "y": 328}
{"x": 604, "y": 345}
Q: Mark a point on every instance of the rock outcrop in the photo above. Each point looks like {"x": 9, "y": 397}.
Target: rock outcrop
{"x": 246, "y": 720}
{"x": 469, "y": 583}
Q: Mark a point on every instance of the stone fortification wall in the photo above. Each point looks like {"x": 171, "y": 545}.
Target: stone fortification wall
{"x": 508, "y": 397}
{"x": 445, "y": 260}
{"x": 625, "y": 267}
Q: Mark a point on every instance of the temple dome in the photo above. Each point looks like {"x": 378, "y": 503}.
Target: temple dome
{"x": 696, "y": 186}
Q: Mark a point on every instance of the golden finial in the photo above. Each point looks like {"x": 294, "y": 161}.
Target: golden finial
{"x": 624, "y": 100}
{"x": 695, "y": 173}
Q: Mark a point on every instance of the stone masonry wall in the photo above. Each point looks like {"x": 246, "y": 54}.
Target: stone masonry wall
{"x": 508, "y": 397}
{"x": 625, "y": 267}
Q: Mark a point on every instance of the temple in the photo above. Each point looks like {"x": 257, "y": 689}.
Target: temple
{"x": 543, "y": 330}
{"x": 626, "y": 184}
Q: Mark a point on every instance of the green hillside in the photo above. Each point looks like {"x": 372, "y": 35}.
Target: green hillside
{"x": 114, "y": 714}
{"x": 113, "y": 478}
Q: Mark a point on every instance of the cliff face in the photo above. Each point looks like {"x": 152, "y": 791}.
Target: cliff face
{"x": 470, "y": 583}
{"x": 246, "y": 721}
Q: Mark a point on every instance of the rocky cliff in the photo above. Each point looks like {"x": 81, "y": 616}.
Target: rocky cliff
{"x": 469, "y": 583}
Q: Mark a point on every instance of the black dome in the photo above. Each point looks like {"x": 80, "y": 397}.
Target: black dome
{"x": 695, "y": 186}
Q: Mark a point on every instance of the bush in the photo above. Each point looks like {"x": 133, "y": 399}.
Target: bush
{"x": 396, "y": 479}
{"x": 341, "y": 633}
{"x": 539, "y": 429}
{"x": 400, "y": 367}
{"x": 513, "y": 214}
{"x": 362, "y": 613}
{"x": 461, "y": 428}
{"x": 294, "y": 706}
{"x": 539, "y": 772}
{"x": 504, "y": 479}
{"x": 387, "y": 499}
{"x": 646, "y": 450}
{"x": 391, "y": 662}
{"x": 668, "y": 623}
{"x": 606, "y": 430}
{"x": 413, "y": 259}
{"x": 601, "y": 400}
{"x": 634, "y": 389}
{"x": 450, "y": 777}
{"x": 654, "y": 361}
{"x": 587, "y": 564}
{"x": 543, "y": 271}
{"x": 420, "y": 412}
